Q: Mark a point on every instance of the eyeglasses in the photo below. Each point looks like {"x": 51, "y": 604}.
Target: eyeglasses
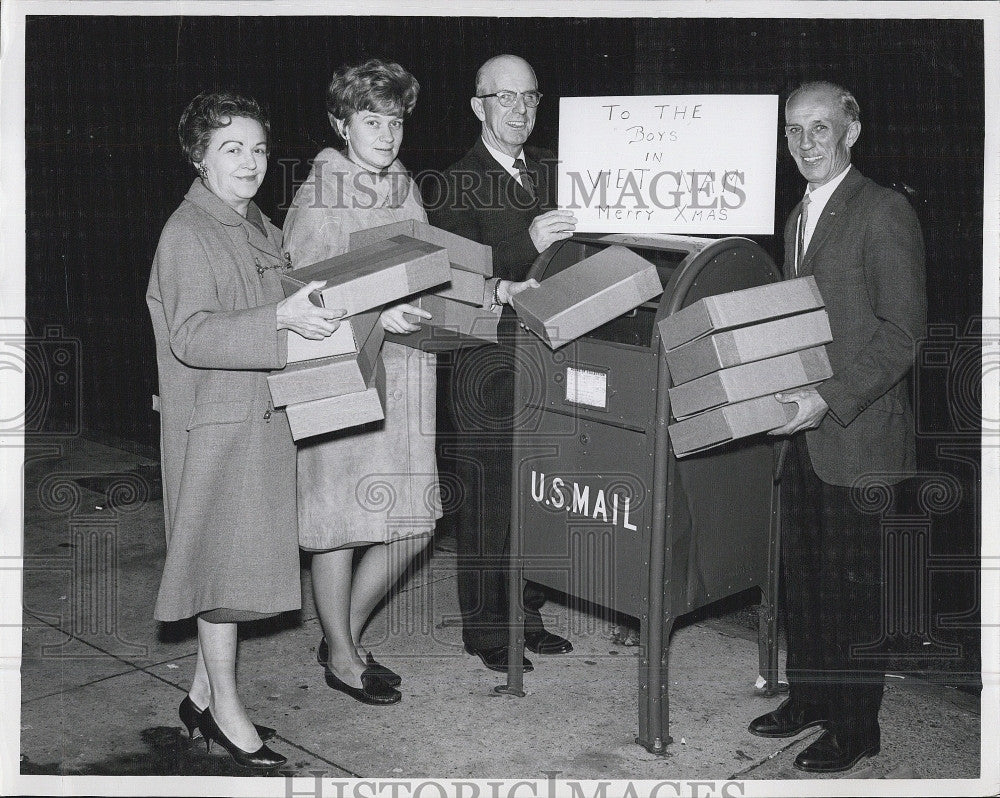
{"x": 508, "y": 98}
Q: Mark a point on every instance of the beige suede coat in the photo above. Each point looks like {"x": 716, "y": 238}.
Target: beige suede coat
{"x": 379, "y": 482}
{"x": 228, "y": 459}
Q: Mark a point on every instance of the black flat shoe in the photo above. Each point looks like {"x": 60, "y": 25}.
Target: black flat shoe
{"x": 390, "y": 677}
{"x": 829, "y": 755}
{"x": 496, "y": 658}
{"x": 191, "y": 718}
{"x": 261, "y": 759}
{"x": 787, "y": 720}
{"x": 543, "y": 642}
{"x": 373, "y": 691}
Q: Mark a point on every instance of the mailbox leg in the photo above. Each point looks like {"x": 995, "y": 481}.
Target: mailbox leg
{"x": 515, "y": 590}
{"x": 654, "y": 705}
{"x": 515, "y": 582}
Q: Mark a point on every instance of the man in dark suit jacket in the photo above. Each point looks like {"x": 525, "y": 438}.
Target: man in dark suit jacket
{"x": 499, "y": 193}
{"x": 852, "y": 436}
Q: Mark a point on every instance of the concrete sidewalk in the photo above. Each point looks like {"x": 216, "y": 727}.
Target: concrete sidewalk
{"x": 101, "y": 681}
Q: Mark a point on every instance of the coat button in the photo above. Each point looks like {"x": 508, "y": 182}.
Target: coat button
{"x": 397, "y": 395}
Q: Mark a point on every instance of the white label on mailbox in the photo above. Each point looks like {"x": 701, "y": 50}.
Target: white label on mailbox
{"x": 587, "y": 387}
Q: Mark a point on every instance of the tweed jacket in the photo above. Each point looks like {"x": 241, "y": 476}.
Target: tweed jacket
{"x": 482, "y": 202}
{"x": 228, "y": 460}
{"x": 867, "y": 256}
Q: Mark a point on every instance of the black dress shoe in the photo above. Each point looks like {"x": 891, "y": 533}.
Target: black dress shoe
{"x": 542, "y": 642}
{"x": 191, "y": 717}
{"x": 390, "y": 677}
{"x": 830, "y": 755}
{"x": 496, "y": 658}
{"x": 261, "y": 759}
{"x": 373, "y": 689}
{"x": 787, "y": 720}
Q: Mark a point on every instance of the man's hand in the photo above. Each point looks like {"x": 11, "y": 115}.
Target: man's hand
{"x": 506, "y": 290}
{"x": 394, "y": 321}
{"x": 299, "y": 314}
{"x": 812, "y": 408}
{"x": 550, "y": 227}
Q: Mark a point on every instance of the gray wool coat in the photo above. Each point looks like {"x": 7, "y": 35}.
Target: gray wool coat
{"x": 228, "y": 459}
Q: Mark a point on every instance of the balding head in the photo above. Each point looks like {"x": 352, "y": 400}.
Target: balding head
{"x": 499, "y": 67}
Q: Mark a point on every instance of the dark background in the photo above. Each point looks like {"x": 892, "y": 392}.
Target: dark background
{"x": 104, "y": 171}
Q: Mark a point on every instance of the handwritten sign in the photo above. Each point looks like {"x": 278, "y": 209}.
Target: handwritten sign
{"x": 692, "y": 164}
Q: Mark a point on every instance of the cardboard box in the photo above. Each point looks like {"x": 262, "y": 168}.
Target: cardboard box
{"x": 782, "y": 373}
{"x": 588, "y": 294}
{"x": 467, "y": 287}
{"x": 747, "y": 344}
{"x": 328, "y": 376}
{"x": 373, "y": 276}
{"x": 454, "y": 325}
{"x": 729, "y": 423}
{"x": 739, "y": 308}
{"x": 340, "y": 412}
{"x": 465, "y": 254}
{"x": 346, "y": 339}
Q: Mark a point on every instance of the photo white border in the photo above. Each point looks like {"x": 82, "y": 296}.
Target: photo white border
{"x": 12, "y": 309}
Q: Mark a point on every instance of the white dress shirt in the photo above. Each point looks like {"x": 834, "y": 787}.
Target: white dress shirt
{"x": 817, "y": 202}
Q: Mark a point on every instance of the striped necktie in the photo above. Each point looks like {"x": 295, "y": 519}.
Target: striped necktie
{"x": 527, "y": 183}
{"x": 800, "y": 250}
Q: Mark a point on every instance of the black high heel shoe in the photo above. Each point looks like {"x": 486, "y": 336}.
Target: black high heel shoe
{"x": 388, "y": 676}
{"x": 261, "y": 759}
{"x": 191, "y": 718}
{"x": 373, "y": 691}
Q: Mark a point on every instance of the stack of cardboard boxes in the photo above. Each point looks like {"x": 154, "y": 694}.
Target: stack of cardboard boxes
{"x": 339, "y": 381}
{"x": 729, "y": 354}
{"x": 460, "y": 311}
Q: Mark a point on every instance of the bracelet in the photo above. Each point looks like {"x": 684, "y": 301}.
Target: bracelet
{"x": 496, "y": 293}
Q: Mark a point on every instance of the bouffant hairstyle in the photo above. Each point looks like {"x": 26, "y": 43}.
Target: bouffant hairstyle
{"x": 383, "y": 87}
{"x": 210, "y": 111}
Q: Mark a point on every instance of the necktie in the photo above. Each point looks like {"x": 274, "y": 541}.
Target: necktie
{"x": 526, "y": 178}
{"x": 801, "y": 249}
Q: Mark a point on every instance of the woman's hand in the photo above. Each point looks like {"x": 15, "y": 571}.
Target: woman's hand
{"x": 298, "y": 314}
{"x": 507, "y": 290}
{"x": 394, "y": 321}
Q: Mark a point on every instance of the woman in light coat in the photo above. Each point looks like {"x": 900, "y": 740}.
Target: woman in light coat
{"x": 220, "y": 320}
{"x": 375, "y": 487}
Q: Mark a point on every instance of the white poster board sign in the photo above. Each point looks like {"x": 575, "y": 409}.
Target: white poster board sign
{"x": 683, "y": 164}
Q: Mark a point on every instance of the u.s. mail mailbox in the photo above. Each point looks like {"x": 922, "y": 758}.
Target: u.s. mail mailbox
{"x": 602, "y": 509}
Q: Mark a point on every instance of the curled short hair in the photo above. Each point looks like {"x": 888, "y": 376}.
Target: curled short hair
{"x": 847, "y": 102}
{"x": 383, "y": 87}
{"x": 210, "y": 111}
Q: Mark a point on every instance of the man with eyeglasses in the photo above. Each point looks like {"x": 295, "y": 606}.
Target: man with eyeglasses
{"x": 499, "y": 193}
{"x": 852, "y": 438}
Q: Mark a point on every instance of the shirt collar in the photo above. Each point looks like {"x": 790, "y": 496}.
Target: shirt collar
{"x": 506, "y": 161}
{"x": 819, "y": 196}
